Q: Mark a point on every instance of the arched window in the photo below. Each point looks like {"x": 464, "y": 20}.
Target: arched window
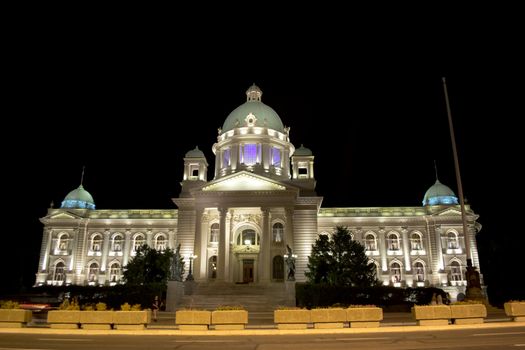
{"x": 115, "y": 272}
{"x": 419, "y": 272}
{"x": 138, "y": 241}
{"x": 455, "y": 271}
{"x": 62, "y": 241}
{"x": 278, "y": 268}
{"x": 415, "y": 241}
{"x": 116, "y": 243}
{"x": 96, "y": 243}
{"x": 214, "y": 233}
{"x": 395, "y": 272}
{"x": 393, "y": 242}
{"x": 370, "y": 242}
{"x": 93, "y": 272}
{"x": 160, "y": 243}
{"x": 278, "y": 232}
{"x": 452, "y": 240}
{"x": 59, "y": 272}
{"x": 248, "y": 237}
{"x": 212, "y": 267}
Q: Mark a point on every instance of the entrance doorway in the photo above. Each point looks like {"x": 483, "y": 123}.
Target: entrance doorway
{"x": 247, "y": 270}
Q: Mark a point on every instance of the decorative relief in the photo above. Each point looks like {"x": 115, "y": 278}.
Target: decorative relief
{"x": 256, "y": 218}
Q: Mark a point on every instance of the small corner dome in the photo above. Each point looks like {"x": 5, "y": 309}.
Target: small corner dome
{"x": 253, "y": 113}
{"x": 303, "y": 151}
{"x": 439, "y": 194}
{"x": 78, "y": 199}
{"x": 195, "y": 153}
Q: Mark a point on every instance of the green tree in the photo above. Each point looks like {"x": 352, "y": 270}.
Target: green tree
{"x": 340, "y": 261}
{"x": 149, "y": 267}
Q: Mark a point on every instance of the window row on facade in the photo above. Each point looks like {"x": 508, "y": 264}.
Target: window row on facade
{"x": 394, "y": 241}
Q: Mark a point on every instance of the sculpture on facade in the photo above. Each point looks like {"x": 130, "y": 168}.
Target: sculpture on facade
{"x": 177, "y": 266}
{"x": 290, "y": 262}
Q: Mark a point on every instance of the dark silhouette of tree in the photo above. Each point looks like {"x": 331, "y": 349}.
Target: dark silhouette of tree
{"x": 340, "y": 261}
{"x": 149, "y": 266}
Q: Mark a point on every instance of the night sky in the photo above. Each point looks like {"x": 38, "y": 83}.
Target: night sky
{"x": 373, "y": 115}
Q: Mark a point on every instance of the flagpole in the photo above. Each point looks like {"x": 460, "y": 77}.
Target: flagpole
{"x": 458, "y": 177}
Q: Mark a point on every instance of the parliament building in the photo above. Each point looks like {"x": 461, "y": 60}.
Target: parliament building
{"x": 236, "y": 226}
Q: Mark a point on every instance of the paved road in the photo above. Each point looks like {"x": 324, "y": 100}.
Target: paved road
{"x": 487, "y": 338}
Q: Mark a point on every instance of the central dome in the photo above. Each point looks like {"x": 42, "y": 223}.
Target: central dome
{"x": 253, "y": 113}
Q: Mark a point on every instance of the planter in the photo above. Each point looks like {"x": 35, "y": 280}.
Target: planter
{"x": 468, "y": 313}
{"x": 292, "y": 319}
{"x": 516, "y": 310}
{"x": 64, "y": 319}
{"x": 96, "y": 319}
{"x": 364, "y": 317}
{"x": 328, "y": 318}
{"x": 131, "y": 319}
{"x": 15, "y": 318}
{"x": 193, "y": 319}
{"x": 431, "y": 315}
{"x": 229, "y": 319}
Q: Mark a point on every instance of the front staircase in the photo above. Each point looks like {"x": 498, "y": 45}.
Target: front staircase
{"x": 253, "y": 297}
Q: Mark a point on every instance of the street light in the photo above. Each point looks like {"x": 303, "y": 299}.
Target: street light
{"x": 190, "y": 275}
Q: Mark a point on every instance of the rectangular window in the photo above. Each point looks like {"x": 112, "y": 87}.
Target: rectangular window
{"x": 250, "y": 154}
{"x": 276, "y": 157}
{"x": 303, "y": 171}
{"x": 226, "y": 158}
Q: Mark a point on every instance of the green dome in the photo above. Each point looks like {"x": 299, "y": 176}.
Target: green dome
{"x": 302, "y": 151}
{"x": 79, "y": 199}
{"x": 264, "y": 115}
{"x": 195, "y": 153}
{"x": 439, "y": 194}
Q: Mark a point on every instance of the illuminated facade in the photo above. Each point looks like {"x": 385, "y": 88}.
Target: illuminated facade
{"x": 236, "y": 227}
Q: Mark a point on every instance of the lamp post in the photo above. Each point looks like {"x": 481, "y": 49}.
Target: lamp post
{"x": 190, "y": 275}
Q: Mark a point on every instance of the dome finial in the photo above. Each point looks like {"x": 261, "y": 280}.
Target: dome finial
{"x": 82, "y": 177}
{"x": 253, "y": 93}
{"x": 436, "y": 170}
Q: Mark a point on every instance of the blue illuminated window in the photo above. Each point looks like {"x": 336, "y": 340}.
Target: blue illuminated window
{"x": 226, "y": 157}
{"x": 276, "y": 157}
{"x": 250, "y": 154}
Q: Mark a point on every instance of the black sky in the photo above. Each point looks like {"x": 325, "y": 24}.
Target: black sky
{"x": 372, "y": 111}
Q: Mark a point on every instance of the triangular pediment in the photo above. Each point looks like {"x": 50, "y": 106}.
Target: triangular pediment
{"x": 61, "y": 216}
{"x": 450, "y": 212}
{"x": 244, "y": 181}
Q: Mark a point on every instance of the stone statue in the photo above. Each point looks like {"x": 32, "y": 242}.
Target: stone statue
{"x": 177, "y": 266}
{"x": 473, "y": 278}
{"x": 290, "y": 262}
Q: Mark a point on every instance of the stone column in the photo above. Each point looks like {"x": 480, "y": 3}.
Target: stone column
{"x": 149, "y": 238}
{"x": 222, "y": 271}
{"x": 406, "y": 251}
{"x": 382, "y": 241}
{"x": 172, "y": 240}
{"x": 288, "y": 228}
{"x": 264, "y": 254}
{"x": 46, "y": 249}
{"x": 228, "y": 246}
{"x": 202, "y": 259}
{"x": 127, "y": 247}
{"x": 439, "y": 248}
{"x": 197, "y": 245}
{"x": 105, "y": 251}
